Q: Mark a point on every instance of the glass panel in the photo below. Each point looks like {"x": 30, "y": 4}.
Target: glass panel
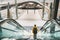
{"x": 12, "y": 25}
{"x": 51, "y": 31}
{"x": 11, "y": 29}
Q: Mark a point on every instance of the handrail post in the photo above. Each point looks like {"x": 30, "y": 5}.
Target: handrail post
{"x": 8, "y": 12}
{"x": 51, "y": 11}
{"x": 43, "y": 9}
{"x": 16, "y": 9}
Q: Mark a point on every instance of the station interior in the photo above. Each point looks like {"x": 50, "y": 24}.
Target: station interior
{"x": 18, "y": 17}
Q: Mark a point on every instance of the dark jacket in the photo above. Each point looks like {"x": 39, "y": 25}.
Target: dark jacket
{"x": 34, "y": 30}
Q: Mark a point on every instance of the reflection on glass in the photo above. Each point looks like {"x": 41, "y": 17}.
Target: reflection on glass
{"x": 10, "y": 29}
{"x": 52, "y": 31}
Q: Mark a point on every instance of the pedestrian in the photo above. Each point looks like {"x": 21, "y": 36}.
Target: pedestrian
{"x": 35, "y": 30}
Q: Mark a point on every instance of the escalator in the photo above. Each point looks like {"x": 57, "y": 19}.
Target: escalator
{"x": 9, "y": 28}
{"x": 51, "y": 30}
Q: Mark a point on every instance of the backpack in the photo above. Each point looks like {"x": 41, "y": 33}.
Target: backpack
{"x": 35, "y": 30}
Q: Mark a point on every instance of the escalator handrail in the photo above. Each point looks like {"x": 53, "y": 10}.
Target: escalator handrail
{"x": 57, "y": 31}
{"x": 48, "y": 27}
{"x": 57, "y": 21}
{"x": 8, "y": 29}
{"x": 11, "y": 20}
{"x": 43, "y": 25}
{"x": 47, "y": 22}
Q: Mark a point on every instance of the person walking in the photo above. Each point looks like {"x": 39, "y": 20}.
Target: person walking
{"x": 35, "y": 30}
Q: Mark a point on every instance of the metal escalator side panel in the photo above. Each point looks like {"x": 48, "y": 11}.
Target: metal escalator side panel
{"x": 45, "y": 25}
{"x": 12, "y": 20}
